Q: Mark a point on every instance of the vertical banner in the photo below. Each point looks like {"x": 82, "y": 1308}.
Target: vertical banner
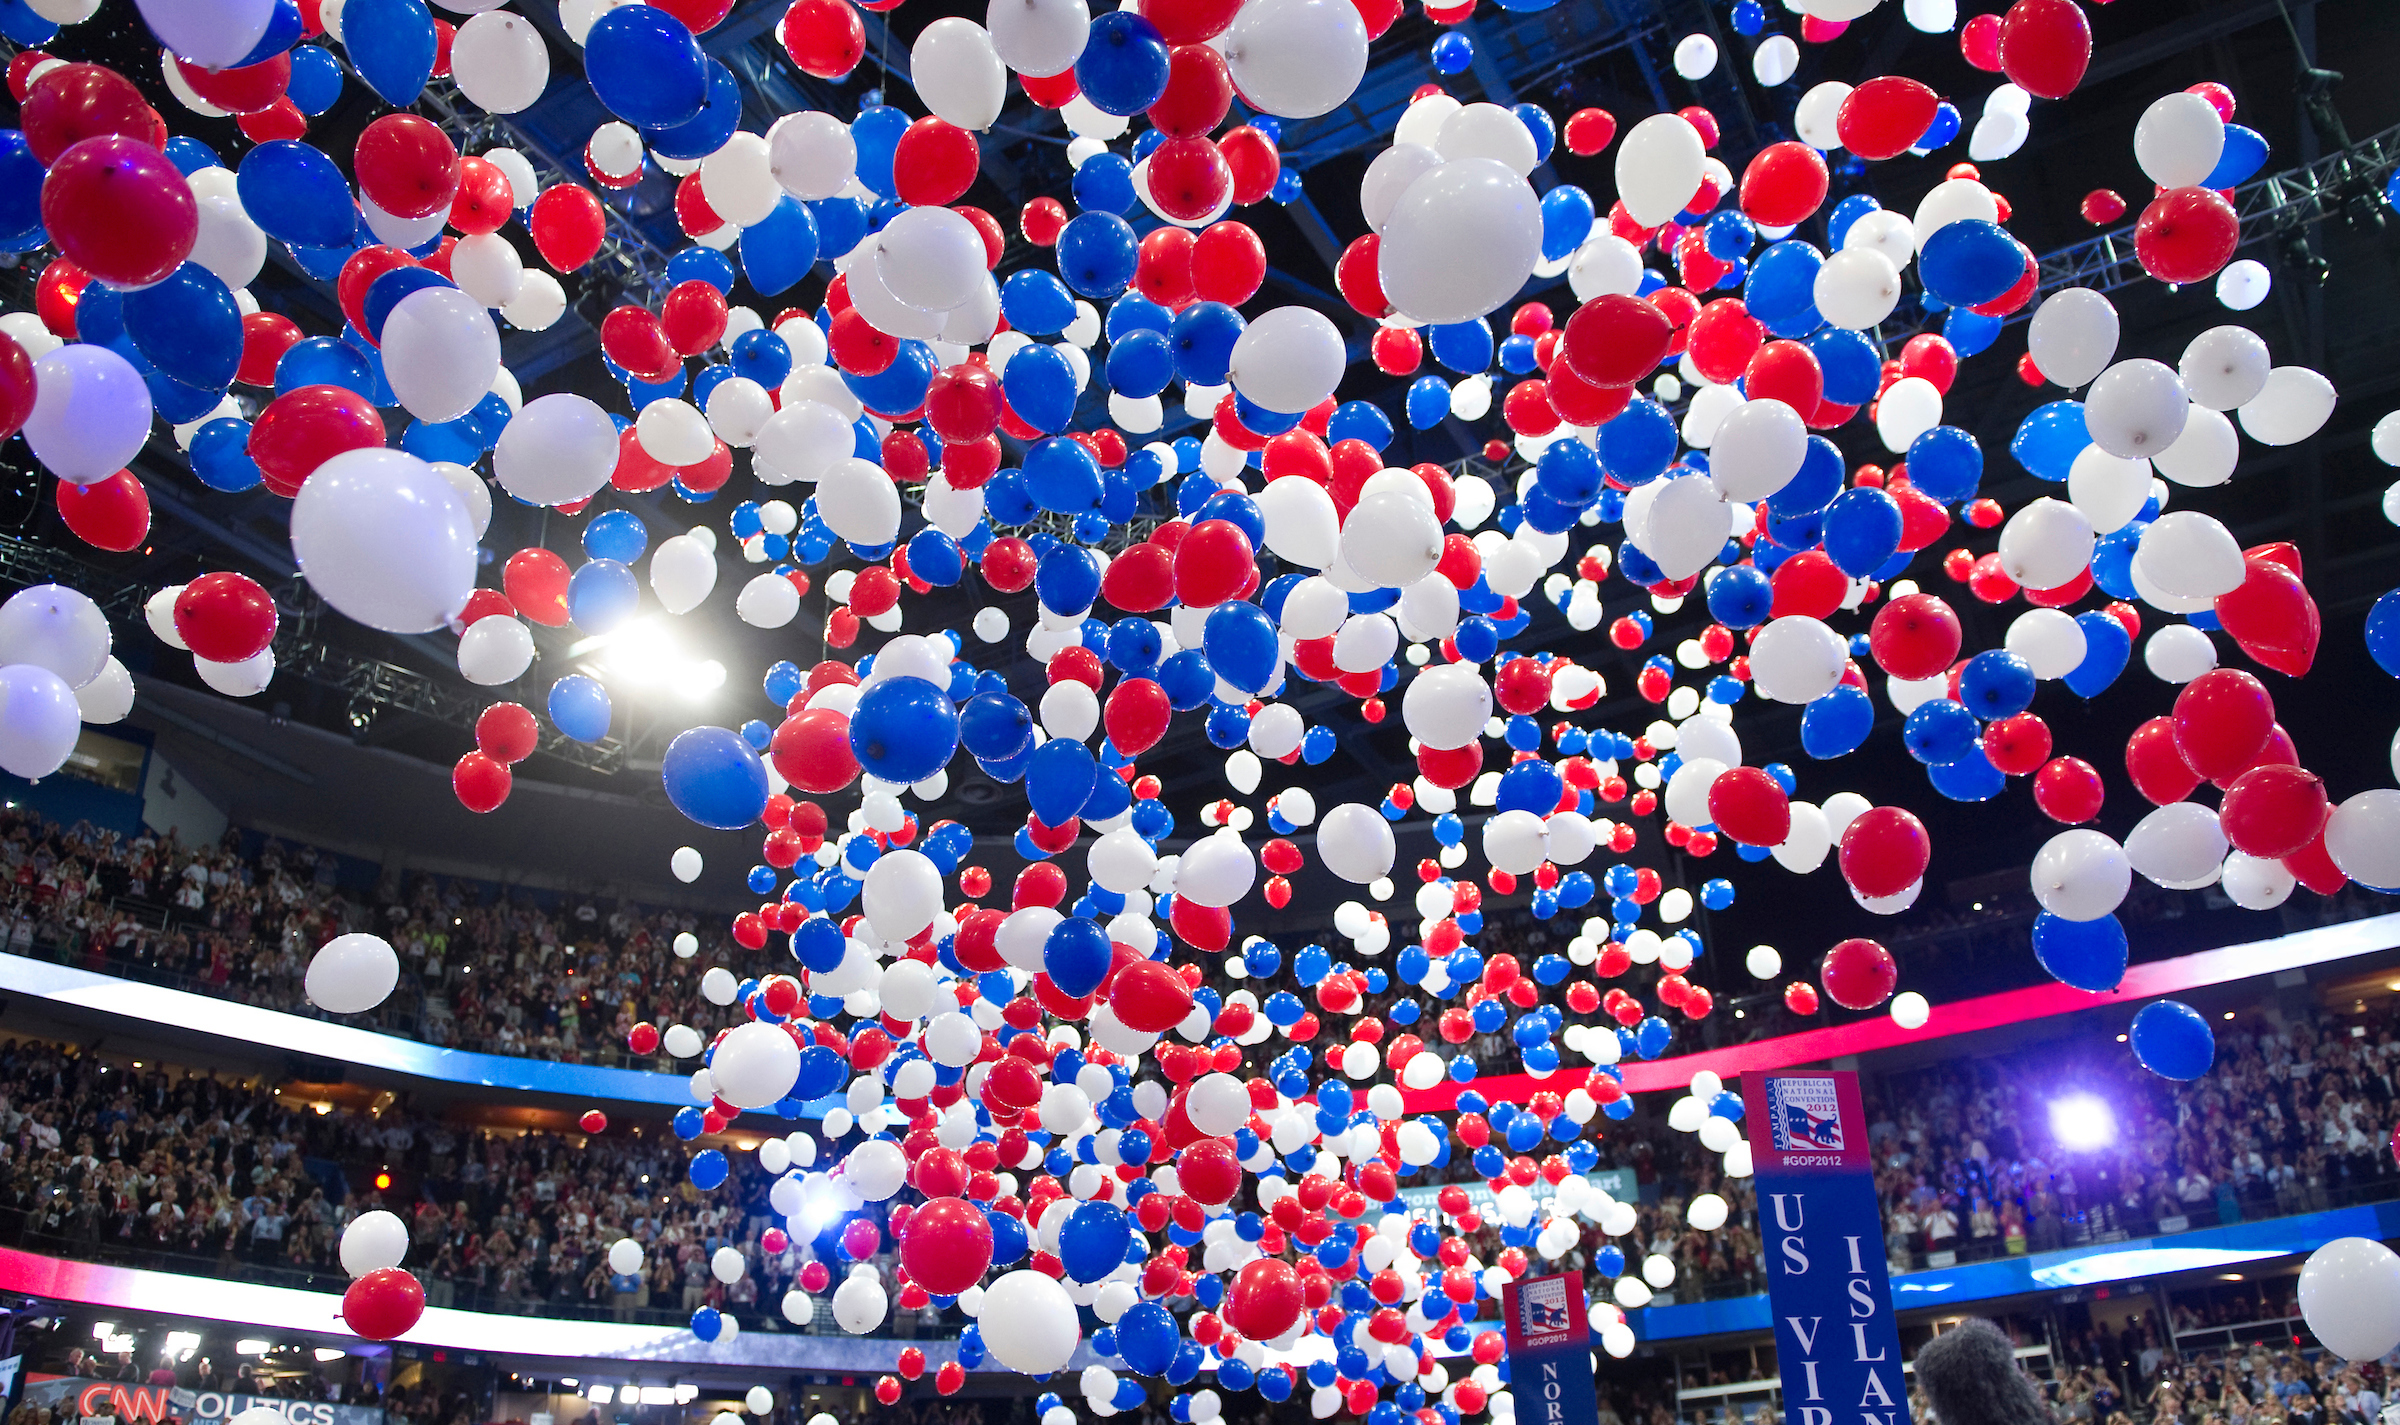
{"x": 1821, "y": 1227}
{"x": 1549, "y": 1350}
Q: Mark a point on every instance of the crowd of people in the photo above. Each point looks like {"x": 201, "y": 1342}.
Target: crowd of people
{"x": 2064, "y": 1143}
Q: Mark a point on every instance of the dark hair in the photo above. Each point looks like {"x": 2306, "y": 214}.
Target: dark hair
{"x": 1970, "y": 1375}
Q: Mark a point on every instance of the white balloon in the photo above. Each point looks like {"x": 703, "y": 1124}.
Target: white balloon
{"x": 2291, "y": 407}
{"x": 2244, "y": 283}
{"x": 2349, "y": 1294}
{"x": 931, "y": 258}
{"x": 859, "y": 502}
{"x": 486, "y": 266}
{"x": 1462, "y": 239}
{"x": 739, "y": 182}
{"x": 1039, "y": 38}
{"x": 2206, "y": 452}
{"x": 373, "y": 1241}
{"x": 805, "y": 438}
{"x": 1446, "y": 706}
{"x": 2178, "y": 846}
{"x": 441, "y": 352}
{"x": 755, "y": 1065}
{"x": 1303, "y": 525}
{"x": 2363, "y": 837}
{"x": 229, "y": 244}
{"x": 215, "y": 34}
{"x": 682, "y": 572}
{"x": 52, "y": 626}
{"x": 351, "y": 974}
{"x": 1356, "y": 843}
{"x": 1659, "y": 168}
{"x": 1391, "y": 539}
{"x": 1798, "y": 659}
{"x": 2052, "y": 643}
{"x": 1775, "y": 61}
{"x": 107, "y": 698}
{"x": 39, "y": 721}
{"x": 559, "y": 449}
{"x": 2072, "y": 336}
{"x": 2225, "y": 367}
{"x": 1695, "y": 56}
{"x": 2191, "y": 554}
{"x": 2045, "y": 544}
{"x": 1857, "y": 288}
{"x": 1759, "y": 447}
{"x": 2081, "y": 875}
{"x": 1028, "y": 1322}
{"x": 2109, "y": 489}
{"x": 859, "y": 1304}
{"x": 2254, "y": 883}
{"x": 1488, "y": 131}
{"x": 2178, "y": 140}
{"x": 538, "y": 305}
{"x": 2136, "y": 408}
{"x": 495, "y": 649}
{"x": 1681, "y": 525}
{"x": 1909, "y": 408}
{"x": 245, "y": 679}
{"x": 1953, "y": 200}
{"x": 499, "y": 62}
{"x": 812, "y": 154}
{"x": 384, "y": 538}
{"x": 1296, "y": 59}
{"x": 958, "y": 73}
{"x": 2178, "y": 653}
{"x": 1605, "y": 264}
{"x": 1817, "y": 115}
{"x": 1290, "y": 358}
{"x": 91, "y": 413}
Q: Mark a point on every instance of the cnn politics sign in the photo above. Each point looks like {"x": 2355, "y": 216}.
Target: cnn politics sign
{"x": 157, "y": 1404}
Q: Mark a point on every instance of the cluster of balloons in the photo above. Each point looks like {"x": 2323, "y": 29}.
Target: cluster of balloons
{"x": 1072, "y": 1102}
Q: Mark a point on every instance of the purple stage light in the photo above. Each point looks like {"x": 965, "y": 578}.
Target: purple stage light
{"x": 2081, "y": 1122}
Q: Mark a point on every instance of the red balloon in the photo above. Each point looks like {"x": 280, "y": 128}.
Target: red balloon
{"x": 1163, "y": 271}
{"x": 1266, "y": 1298}
{"x": 266, "y": 336}
{"x": 593, "y": 1121}
{"x": 2102, "y": 206}
{"x": 1580, "y": 401}
{"x": 2017, "y": 745}
{"x": 1589, "y": 131}
{"x": 307, "y": 426}
{"x": 935, "y": 163}
{"x": 2222, "y": 720}
{"x": 1979, "y": 43}
{"x": 1884, "y": 116}
{"x": 1189, "y": 22}
{"x": 485, "y": 200}
{"x": 699, "y": 16}
{"x": 383, "y": 1304}
{"x": 536, "y": 582}
{"x": 120, "y": 210}
{"x": 1228, "y": 261}
{"x": 279, "y": 120}
{"x": 1140, "y": 581}
{"x": 568, "y": 226}
{"x": 1784, "y": 183}
{"x": 1749, "y": 805}
{"x": 2312, "y": 866}
{"x": 247, "y": 90}
{"x": 824, "y": 37}
{"x": 1810, "y": 583}
{"x": 946, "y": 1245}
{"x": 17, "y": 386}
{"x": 693, "y": 317}
{"x": 1189, "y": 179}
{"x": 1616, "y": 340}
{"x": 1212, "y": 563}
{"x": 507, "y": 732}
{"x": 1149, "y": 996}
{"x": 1208, "y": 1172}
{"x": 1255, "y": 161}
{"x": 2157, "y": 768}
{"x": 1884, "y": 851}
{"x": 2069, "y": 790}
{"x": 636, "y": 340}
{"x": 963, "y": 404}
{"x": 2274, "y": 810}
{"x": 359, "y": 272}
{"x": 1360, "y": 281}
{"x": 2186, "y": 235}
{"x": 1914, "y": 636}
{"x": 225, "y": 617}
{"x": 812, "y": 751}
{"x": 407, "y": 166}
{"x": 1930, "y": 355}
{"x": 481, "y": 782}
{"x": 111, "y": 514}
{"x": 2045, "y": 46}
{"x": 74, "y": 102}
{"x": 1198, "y": 94}
{"x": 1042, "y": 220}
{"x": 1859, "y": 974}
{"x": 1788, "y": 372}
{"x": 1136, "y": 715}
{"x": 2271, "y": 616}
{"x": 1723, "y": 338}
{"x": 1397, "y": 350}
{"x": 1800, "y": 998}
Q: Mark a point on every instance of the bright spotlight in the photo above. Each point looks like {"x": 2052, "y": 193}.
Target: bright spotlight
{"x": 2081, "y": 1122}
{"x": 649, "y": 653}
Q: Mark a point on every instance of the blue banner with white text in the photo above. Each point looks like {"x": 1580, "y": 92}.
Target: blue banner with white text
{"x": 1550, "y": 1350}
{"x": 1836, "y": 1344}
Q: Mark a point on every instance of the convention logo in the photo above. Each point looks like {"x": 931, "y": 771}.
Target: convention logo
{"x": 1545, "y": 1316}
{"x": 1806, "y": 1115}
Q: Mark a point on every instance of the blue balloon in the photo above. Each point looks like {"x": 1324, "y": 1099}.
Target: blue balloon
{"x": 1835, "y": 724}
{"x": 2172, "y": 1040}
{"x": 903, "y": 729}
{"x": 1971, "y": 778}
{"x": 1945, "y": 464}
{"x": 760, "y": 355}
{"x": 644, "y": 65}
{"x": 1093, "y": 1239}
{"x": 1569, "y": 472}
{"x": 393, "y": 45}
{"x": 1531, "y": 785}
{"x": 297, "y": 195}
{"x": 391, "y": 289}
{"x": 2088, "y": 954}
{"x": 995, "y": 726}
{"x": 1203, "y": 337}
{"x": 1942, "y": 130}
{"x": 1862, "y": 530}
{"x": 1035, "y": 302}
{"x": 777, "y": 251}
{"x": 602, "y": 595}
{"x": 1996, "y": 684}
{"x": 20, "y": 194}
{"x": 1969, "y": 262}
{"x": 1939, "y": 731}
{"x": 714, "y": 777}
{"x": 1123, "y": 69}
{"x": 618, "y": 535}
{"x": 935, "y": 558}
{"x": 1098, "y": 253}
{"x": 705, "y": 132}
{"x": 1059, "y": 779}
{"x": 1359, "y": 420}
{"x": 1849, "y": 210}
{"x": 1970, "y": 332}
{"x": 579, "y": 708}
{"x": 1639, "y": 442}
{"x": 899, "y": 387}
{"x": 1465, "y": 347}
{"x": 1781, "y": 288}
{"x": 2245, "y": 150}
{"x": 220, "y": 455}
{"x": 1739, "y": 596}
{"x": 1066, "y": 580}
{"x": 1428, "y": 402}
{"x": 877, "y": 131}
{"x": 1147, "y": 1337}
{"x": 1104, "y": 184}
{"x": 316, "y": 82}
{"x": 1453, "y": 52}
{"x": 1567, "y": 216}
{"x": 2107, "y": 647}
{"x": 1040, "y": 386}
{"x": 1140, "y": 364}
{"x": 1076, "y": 955}
{"x": 1240, "y": 642}
{"x": 2047, "y": 441}
{"x": 1853, "y": 369}
{"x": 188, "y": 326}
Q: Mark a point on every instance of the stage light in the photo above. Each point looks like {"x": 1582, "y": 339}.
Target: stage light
{"x": 2081, "y": 1122}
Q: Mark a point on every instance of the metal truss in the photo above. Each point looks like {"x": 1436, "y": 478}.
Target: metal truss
{"x": 300, "y": 651}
